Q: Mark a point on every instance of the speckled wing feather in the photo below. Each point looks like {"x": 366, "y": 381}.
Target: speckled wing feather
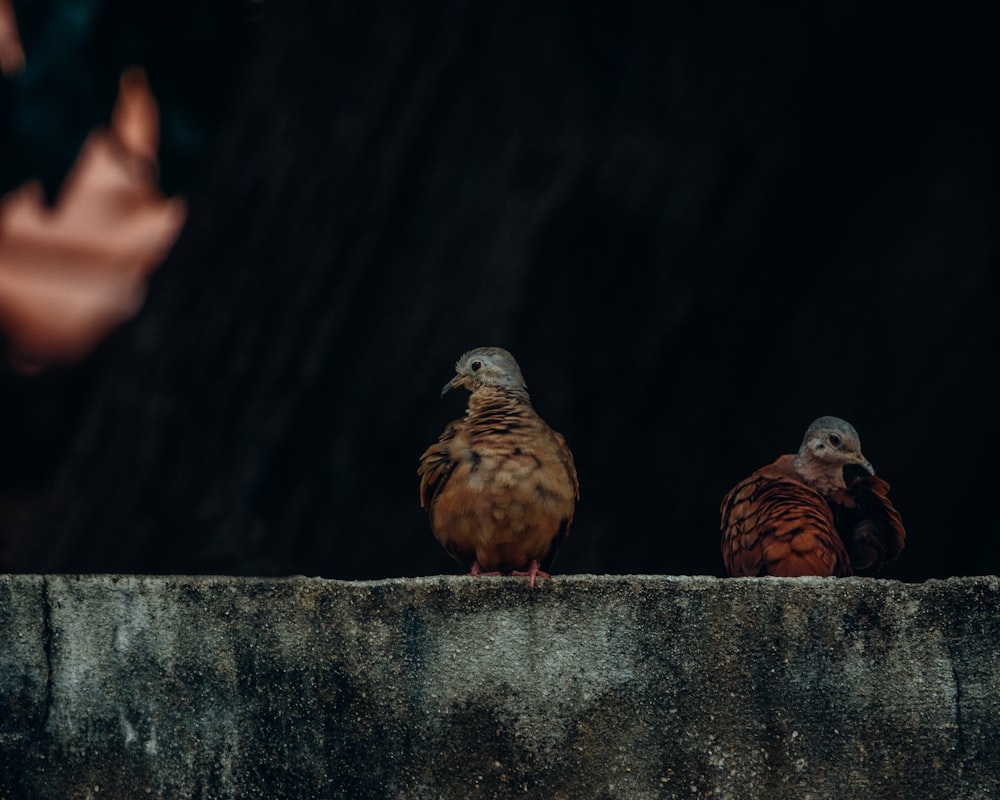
{"x": 436, "y": 465}
{"x": 774, "y": 524}
{"x": 499, "y": 485}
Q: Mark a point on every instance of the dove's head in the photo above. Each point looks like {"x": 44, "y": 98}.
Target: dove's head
{"x": 487, "y": 366}
{"x": 830, "y": 446}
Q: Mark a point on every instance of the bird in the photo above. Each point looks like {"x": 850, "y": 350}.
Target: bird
{"x": 499, "y": 486}
{"x": 820, "y": 511}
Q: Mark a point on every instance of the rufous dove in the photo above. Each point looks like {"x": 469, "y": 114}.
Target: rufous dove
{"x": 821, "y": 511}
{"x": 499, "y": 485}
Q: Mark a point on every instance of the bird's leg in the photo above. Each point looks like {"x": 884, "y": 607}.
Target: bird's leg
{"x": 532, "y": 572}
{"x": 475, "y": 569}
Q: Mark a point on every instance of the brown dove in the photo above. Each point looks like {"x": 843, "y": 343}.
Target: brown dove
{"x": 499, "y": 485}
{"x": 821, "y": 511}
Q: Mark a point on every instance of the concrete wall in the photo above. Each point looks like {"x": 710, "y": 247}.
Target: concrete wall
{"x": 587, "y": 687}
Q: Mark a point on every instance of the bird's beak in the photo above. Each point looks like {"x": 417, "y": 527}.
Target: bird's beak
{"x": 453, "y": 383}
{"x": 861, "y": 461}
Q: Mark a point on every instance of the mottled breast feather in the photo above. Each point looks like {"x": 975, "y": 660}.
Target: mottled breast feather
{"x": 499, "y": 486}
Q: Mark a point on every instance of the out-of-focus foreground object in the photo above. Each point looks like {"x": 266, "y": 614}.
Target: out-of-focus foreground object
{"x": 11, "y": 51}
{"x": 72, "y": 273}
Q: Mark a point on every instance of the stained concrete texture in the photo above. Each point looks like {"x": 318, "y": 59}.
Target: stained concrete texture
{"x": 454, "y": 687}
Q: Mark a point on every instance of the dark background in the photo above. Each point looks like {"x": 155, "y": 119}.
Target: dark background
{"x": 697, "y": 227}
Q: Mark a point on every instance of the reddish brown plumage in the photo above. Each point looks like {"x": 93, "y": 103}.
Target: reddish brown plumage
{"x": 774, "y": 524}
{"x": 802, "y": 516}
{"x": 499, "y": 485}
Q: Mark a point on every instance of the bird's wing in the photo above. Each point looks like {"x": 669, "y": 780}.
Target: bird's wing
{"x": 871, "y": 526}
{"x": 436, "y": 465}
{"x": 566, "y": 457}
{"x": 774, "y": 524}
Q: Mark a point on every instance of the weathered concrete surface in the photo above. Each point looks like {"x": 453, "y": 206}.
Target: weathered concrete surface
{"x": 588, "y": 687}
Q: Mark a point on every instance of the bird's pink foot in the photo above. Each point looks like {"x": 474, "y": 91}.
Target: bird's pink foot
{"x": 532, "y": 572}
{"x": 477, "y": 570}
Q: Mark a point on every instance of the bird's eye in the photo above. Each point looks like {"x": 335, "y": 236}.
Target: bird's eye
{"x": 834, "y": 439}
{"x": 476, "y": 365}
